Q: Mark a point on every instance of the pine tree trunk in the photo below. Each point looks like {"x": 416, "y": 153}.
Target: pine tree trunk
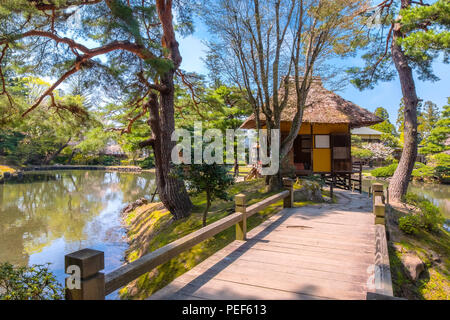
{"x": 172, "y": 191}
{"x": 399, "y": 182}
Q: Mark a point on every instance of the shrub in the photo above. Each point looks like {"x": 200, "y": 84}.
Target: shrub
{"x": 442, "y": 173}
{"x": 213, "y": 179}
{"x": 28, "y": 283}
{"x": 147, "y": 163}
{"x": 384, "y": 172}
{"x": 423, "y": 172}
{"x": 362, "y": 154}
{"x": 428, "y": 217}
{"x": 409, "y": 224}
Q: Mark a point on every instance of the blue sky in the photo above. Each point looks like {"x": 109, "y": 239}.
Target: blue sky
{"x": 385, "y": 94}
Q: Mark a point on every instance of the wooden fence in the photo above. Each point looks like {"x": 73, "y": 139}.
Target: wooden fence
{"x": 382, "y": 271}
{"x": 85, "y": 265}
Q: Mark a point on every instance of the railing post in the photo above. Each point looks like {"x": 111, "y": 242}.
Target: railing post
{"x": 241, "y": 227}
{"x": 288, "y": 184}
{"x": 378, "y": 203}
{"x": 360, "y": 177}
{"x": 387, "y": 195}
{"x": 85, "y": 281}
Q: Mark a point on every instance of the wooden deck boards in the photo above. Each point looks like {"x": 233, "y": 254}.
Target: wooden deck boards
{"x": 314, "y": 252}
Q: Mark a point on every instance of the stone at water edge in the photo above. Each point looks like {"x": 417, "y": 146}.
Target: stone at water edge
{"x": 413, "y": 264}
{"x": 133, "y": 205}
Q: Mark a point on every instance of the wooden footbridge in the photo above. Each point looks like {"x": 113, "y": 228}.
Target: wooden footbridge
{"x": 326, "y": 251}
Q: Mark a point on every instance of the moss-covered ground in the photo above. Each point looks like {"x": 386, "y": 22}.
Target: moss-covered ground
{"x": 433, "y": 248}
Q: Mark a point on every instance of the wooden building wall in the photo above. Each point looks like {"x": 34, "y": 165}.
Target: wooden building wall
{"x": 321, "y": 157}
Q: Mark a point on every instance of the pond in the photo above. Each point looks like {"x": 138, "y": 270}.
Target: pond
{"x": 439, "y": 194}
{"x": 54, "y": 213}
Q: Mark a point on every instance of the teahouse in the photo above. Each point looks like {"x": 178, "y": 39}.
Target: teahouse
{"x": 323, "y": 144}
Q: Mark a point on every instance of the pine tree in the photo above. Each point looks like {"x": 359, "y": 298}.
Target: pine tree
{"x": 126, "y": 50}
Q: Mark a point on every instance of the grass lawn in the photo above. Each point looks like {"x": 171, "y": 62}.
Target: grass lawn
{"x": 151, "y": 227}
{"x": 243, "y": 170}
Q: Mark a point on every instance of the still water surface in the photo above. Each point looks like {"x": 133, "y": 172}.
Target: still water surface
{"x": 54, "y": 213}
{"x": 439, "y": 194}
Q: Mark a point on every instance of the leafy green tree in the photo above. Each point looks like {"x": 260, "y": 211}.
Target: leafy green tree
{"x": 213, "y": 179}
{"x": 436, "y": 140}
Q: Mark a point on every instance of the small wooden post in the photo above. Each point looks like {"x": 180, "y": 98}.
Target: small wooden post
{"x": 85, "y": 281}
{"x": 360, "y": 177}
{"x": 288, "y": 184}
{"x": 377, "y": 190}
{"x": 370, "y": 190}
{"x": 332, "y": 185}
{"x": 387, "y": 194}
{"x": 241, "y": 227}
{"x": 378, "y": 203}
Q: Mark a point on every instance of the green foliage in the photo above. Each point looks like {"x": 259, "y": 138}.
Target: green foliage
{"x": 428, "y": 216}
{"x": 435, "y": 141}
{"x": 356, "y": 140}
{"x": 386, "y": 126}
{"x": 213, "y": 179}
{"x": 390, "y": 140}
{"x": 94, "y": 160}
{"x": 425, "y": 29}
{"x": 423, "y": 172}
{"x": 28, "y": 283}
{"x": 409, "y": 223}
{"x": 361, "y": 153}
{"x": 424, "y": 44}
{"x": 384, "y": 172}
{"x": 427, "y": 118}
{"x": 147, "y": 163}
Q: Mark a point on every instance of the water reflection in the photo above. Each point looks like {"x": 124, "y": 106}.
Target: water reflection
{"x": 439, "y": 194}
{"x": 51, "y": 214}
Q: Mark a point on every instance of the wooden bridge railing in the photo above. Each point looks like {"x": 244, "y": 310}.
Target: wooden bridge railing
{"x": 382, "y": 280}
{"x": 87, "y": 282}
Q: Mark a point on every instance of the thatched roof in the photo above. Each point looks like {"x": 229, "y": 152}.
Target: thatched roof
{"x": 322, "y": 106}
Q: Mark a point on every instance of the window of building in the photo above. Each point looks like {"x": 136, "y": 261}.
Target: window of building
{"x": 322, "y": 141}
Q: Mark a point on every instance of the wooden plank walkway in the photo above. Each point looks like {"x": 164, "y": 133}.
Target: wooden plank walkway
{"x": 314, "y": 252}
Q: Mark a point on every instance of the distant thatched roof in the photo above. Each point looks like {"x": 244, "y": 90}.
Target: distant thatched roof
{"x": 322, "y": 106}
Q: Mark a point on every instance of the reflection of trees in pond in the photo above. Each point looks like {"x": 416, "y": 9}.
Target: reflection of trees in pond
{"x": 439, "y": 194}
{"x": 35, "y": 213}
